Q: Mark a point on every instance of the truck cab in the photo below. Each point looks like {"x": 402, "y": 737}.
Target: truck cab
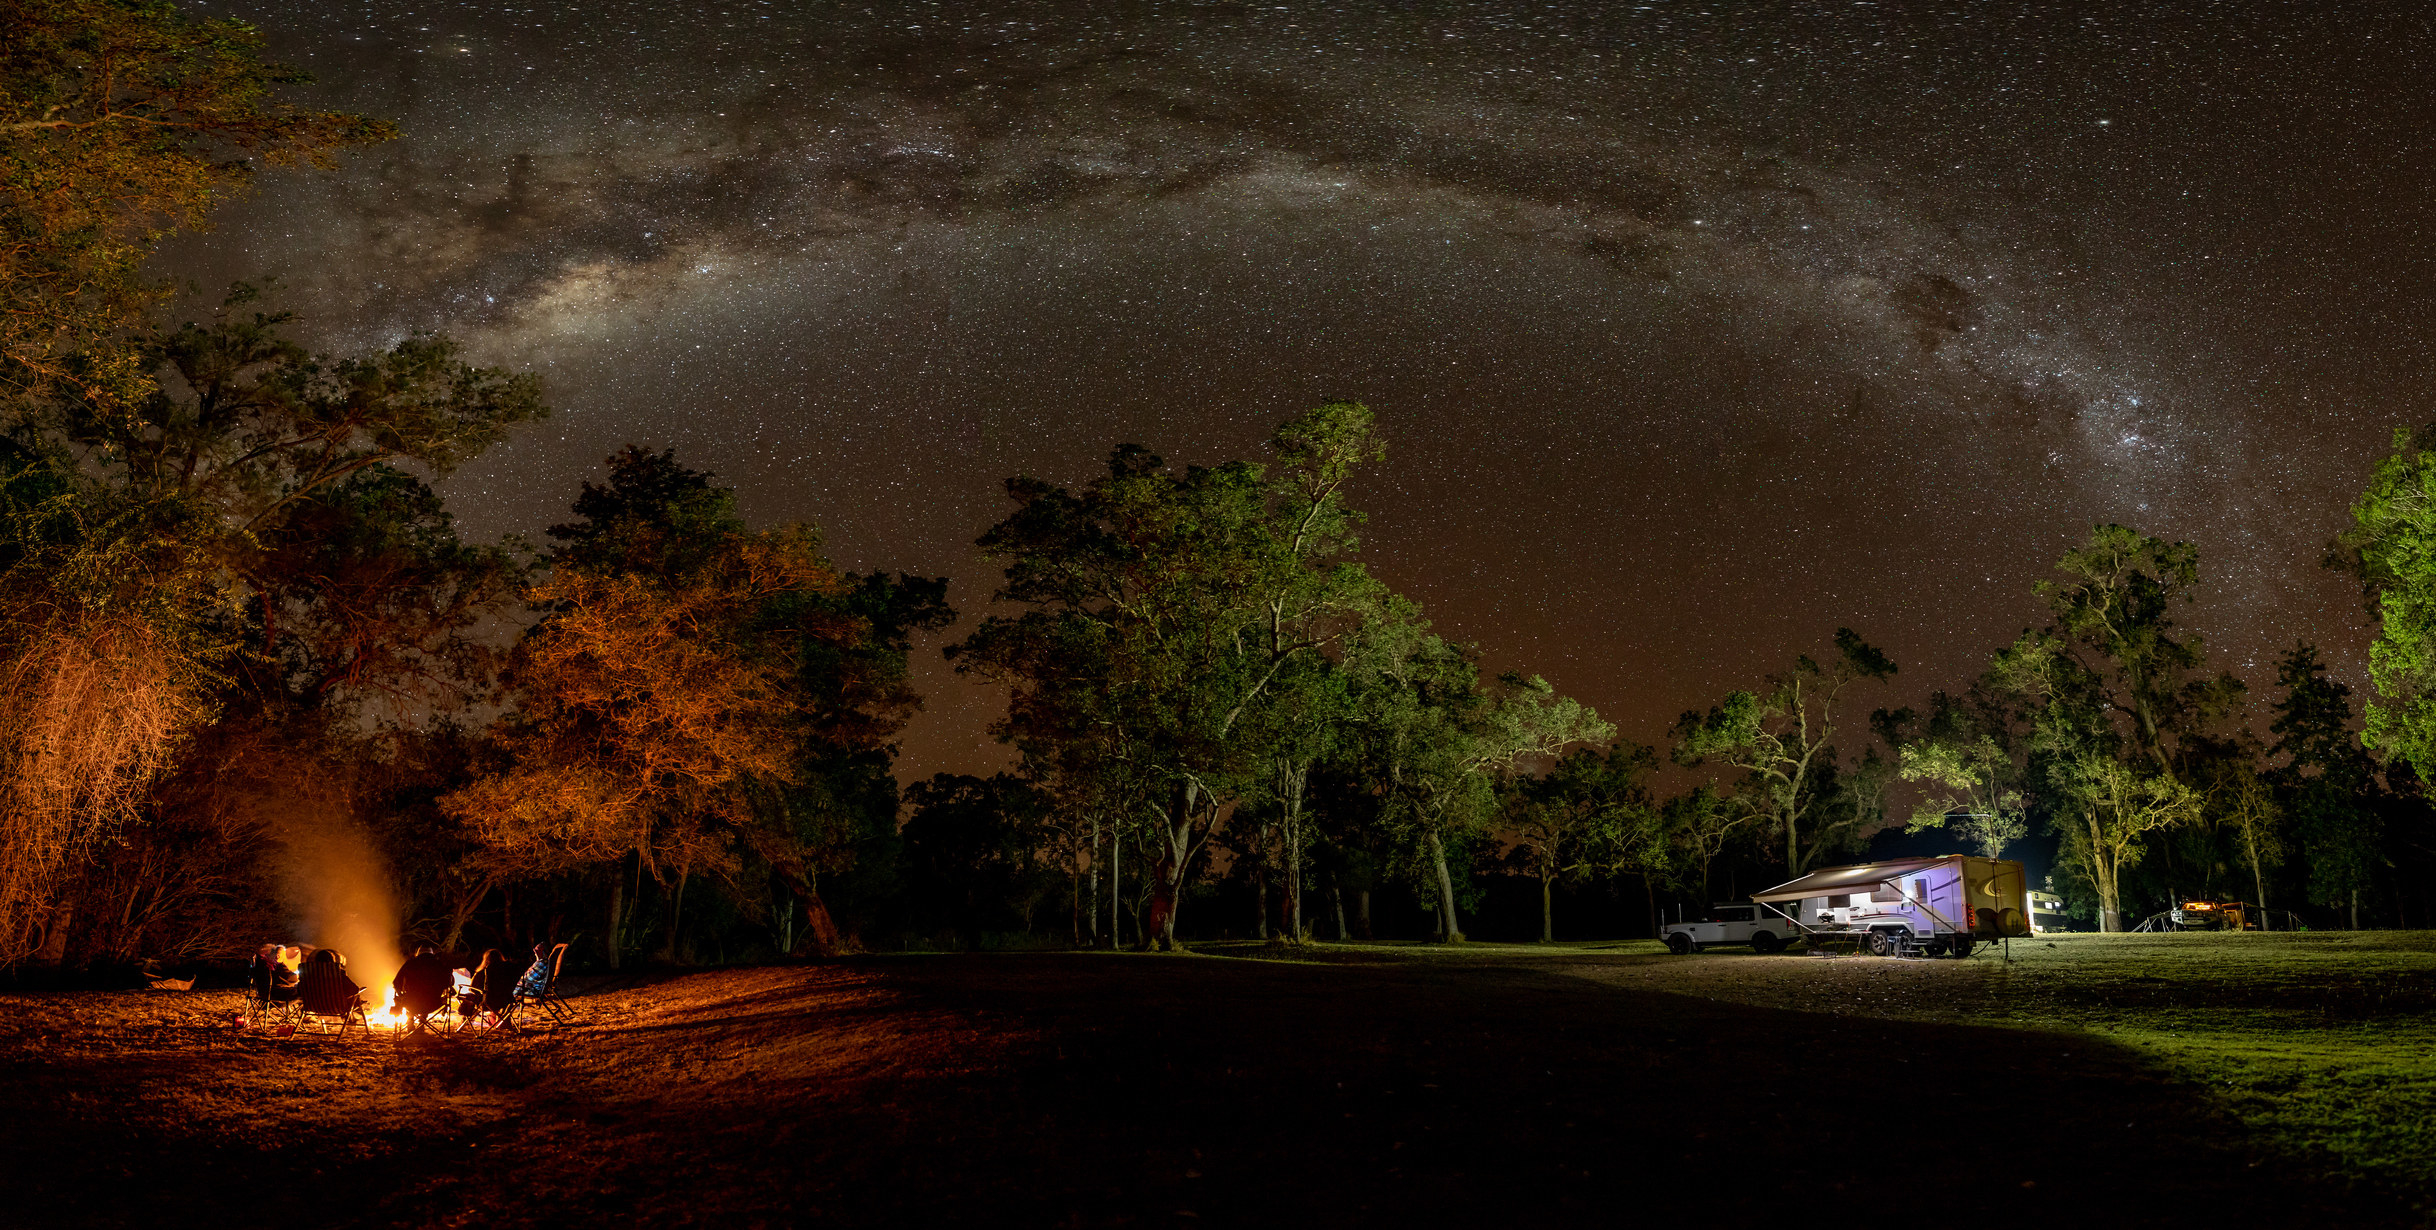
{"x": 1729, "y": 922}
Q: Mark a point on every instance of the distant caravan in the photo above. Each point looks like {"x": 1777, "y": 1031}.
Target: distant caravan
{"x": 1935, "y": 907}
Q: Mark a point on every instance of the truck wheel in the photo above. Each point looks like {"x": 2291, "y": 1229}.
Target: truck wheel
{"x": 1881, "y": 944}
{"x": 1681, "y": 945}
{"x": 1764, "y": 942}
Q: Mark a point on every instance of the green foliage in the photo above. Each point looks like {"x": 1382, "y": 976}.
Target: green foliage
{"x": 1436, "y": 738}
{"x": 1794, "y": 784}
{"x": 2115, "y": 709}
{"x": 2113, "y": 616}
{"x": 1165, "y": 612}
{"x": 2327, "y": 783}
{"x": 2391, "y": 546}
{"x": 120, "y": 121}
{"x": 1589, "y": 810}
{"x": 1965, "y": 761}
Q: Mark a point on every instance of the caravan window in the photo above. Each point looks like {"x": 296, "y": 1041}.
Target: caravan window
{"x": 1838, "y": 903}
{"x": 1920, "y": 891}
{"x": 1886, "y": 892}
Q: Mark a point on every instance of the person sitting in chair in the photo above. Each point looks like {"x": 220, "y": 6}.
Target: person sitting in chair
{"x": 494, "y": 982}
{"x": 325, "y": 987}
{"x": 422, "y": 986}
{"x": 536, "y": 978}
{"x": 273, "y": 977}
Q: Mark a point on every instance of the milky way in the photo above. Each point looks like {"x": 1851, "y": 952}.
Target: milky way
{"x": 1700, "y": 330}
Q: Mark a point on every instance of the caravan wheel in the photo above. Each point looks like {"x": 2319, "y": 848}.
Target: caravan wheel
{"x": 1882, "y": 944}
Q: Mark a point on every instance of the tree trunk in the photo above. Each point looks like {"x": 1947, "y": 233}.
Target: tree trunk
{"x": 54, "y": 949}
{"x": 1448, "y": 930}
{"x": 2258, "y": 877}
{"x": 1361, "y": 911}
{"x": 1547, "y": 910}
{"x": 1336, "y": 897}
{"x": 820, "y": 927}
{"x": 1116, "y": 890}
{"x": 617, "y": 901}
{"x": 1260, "y": 898}
{"x": 2102, "y": 870}
{"x": 676, "y": 905}
{"x": 1094, "y": 911}
{"x": 1291, "y": 829}
{"x": 461, "y": 909}
{"x": 1649, "y": 893}
{"x": 1176, "y": 851}
{"x": 2355, "y": 909}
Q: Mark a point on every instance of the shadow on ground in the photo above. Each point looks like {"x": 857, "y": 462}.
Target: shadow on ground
{"x": 1090, "y": 1090}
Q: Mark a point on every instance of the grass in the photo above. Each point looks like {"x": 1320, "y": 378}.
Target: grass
{"x": 2319, "y": 1045}
{"x": 2324, "y": 1043}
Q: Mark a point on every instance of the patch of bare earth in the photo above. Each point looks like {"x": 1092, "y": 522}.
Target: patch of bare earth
{"x": 1093, "y": 1090}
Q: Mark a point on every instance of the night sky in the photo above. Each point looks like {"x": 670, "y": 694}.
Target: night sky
{"x": 1700, "y": 329}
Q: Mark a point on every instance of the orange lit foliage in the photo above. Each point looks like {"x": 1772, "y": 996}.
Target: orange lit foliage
{"x": 659, "y": 715}
{"x": 101, "y": 679}
{"x": 91, "y": 706}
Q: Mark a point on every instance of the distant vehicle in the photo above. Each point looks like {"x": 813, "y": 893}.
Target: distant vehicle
{"x": 1730, "y": 922}
{"x": 2047, "y": 912}
{"x": 1908, "y": 906}
{"x": 2213, "y": 916}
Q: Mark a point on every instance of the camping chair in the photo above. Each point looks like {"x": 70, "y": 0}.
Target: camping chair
{"x": 469, "y": 1004}
{"x": 435, "y": 1020}
{"x": 548, "y": 997}
{"x": 321, "y": 1007}
{"x": 267, "y": 1004}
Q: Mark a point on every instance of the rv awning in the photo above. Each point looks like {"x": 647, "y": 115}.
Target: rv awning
{"x": 1836, "y": 881}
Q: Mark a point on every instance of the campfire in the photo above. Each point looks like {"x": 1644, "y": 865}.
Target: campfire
{"x": 391, "y": 1016}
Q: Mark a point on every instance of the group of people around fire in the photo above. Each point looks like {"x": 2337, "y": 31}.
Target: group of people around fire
{"x": 317, "y": 980}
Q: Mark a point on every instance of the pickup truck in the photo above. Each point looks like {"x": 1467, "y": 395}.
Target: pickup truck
{"x": 1730, "y": 922}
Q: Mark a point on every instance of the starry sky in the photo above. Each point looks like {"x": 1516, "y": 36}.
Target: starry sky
{"x": 1700, "y": 329}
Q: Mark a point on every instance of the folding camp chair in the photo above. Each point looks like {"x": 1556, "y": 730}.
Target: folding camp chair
{"x": 434, "y": 1022}
{"x": 547, "y": 998}
{"x": 324, "y": 1005}
{"x": 337, "y": 1019}
{"x": 267, "y": 1004}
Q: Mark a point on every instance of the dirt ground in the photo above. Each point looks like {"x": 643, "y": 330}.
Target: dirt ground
{"x": 1101, "y": 1090}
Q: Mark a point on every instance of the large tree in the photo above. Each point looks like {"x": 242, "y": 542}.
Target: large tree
{"x": 1783, "y": 740}
{"x": 2391, "y": 548}
{"x": 119, "y": 122}
{"x": 1581, "y": 815}
{"x": 1167, "y": 607}
{"x": 2326, "y": 783}
{"x": 685, "y": 673}
{"x": 1435, "y": 737}
{"x": 2111, "y": 691}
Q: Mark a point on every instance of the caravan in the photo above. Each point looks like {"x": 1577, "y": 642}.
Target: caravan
{"x": 1934, "y": 907}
